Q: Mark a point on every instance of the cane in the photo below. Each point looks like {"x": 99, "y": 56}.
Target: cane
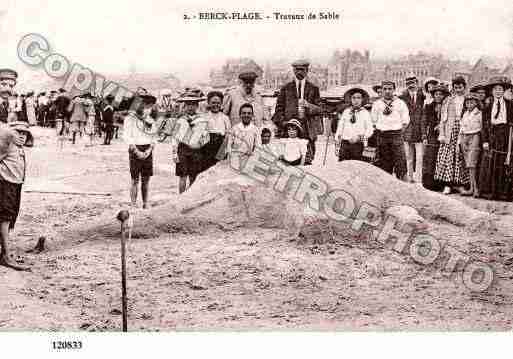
{"x": 126, "y": 222}
{"x": 327, "y": 133}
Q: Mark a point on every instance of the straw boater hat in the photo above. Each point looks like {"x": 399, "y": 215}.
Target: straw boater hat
{"x": 430, "y": 80}
{"x": 499, "y": 80}
{"x": 295, "y": 123}
{"x": 349, "y": 93}
{"x": 478, "y": 87}
{"x": 23, "y": 127}
{"x": 191, "y": 96}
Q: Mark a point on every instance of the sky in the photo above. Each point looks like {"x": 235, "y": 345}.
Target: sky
{"x": 113, "y": 36}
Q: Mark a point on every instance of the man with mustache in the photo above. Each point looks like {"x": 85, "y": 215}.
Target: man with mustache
{"x": 299, "y": 99}
{"x": 8, "y": 80}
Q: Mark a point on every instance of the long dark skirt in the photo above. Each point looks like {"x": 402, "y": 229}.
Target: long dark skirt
{"x": 494, "y": 178}
{"x": 429, "y": 167}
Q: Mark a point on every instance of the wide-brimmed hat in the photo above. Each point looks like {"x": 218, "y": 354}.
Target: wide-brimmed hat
{"x": 148, "y": 99}
{"x": 430, "y": 80}
{"x": 440, "y": 88}
{"x": 191, "y": 96}
{"x": 294, "y": 123}
{"x": 349, "y": 93}
{"x": 23, "y": 127}
{"x": 504, "y": 81}
{"x": 478, "y": 87}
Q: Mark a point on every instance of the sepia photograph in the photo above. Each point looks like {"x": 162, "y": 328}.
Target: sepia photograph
{"x": 284, "y": 167}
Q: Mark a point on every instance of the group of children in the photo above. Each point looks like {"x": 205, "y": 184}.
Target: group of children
{"x": 202, "y": 140}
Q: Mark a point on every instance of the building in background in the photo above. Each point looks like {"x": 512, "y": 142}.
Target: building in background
{"x": 228, "y": 74}
{"x": 277, "y": 74}
{"x": 348, "y": 67}
{"x": 487, "y": 67}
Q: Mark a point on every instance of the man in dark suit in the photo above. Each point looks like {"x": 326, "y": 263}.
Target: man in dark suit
{"x": 299, "y": 99}
{"x": 414, "y": 99}
{"x": 8, "y": 79}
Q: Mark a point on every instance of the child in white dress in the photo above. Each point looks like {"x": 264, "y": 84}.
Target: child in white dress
{"x": 294, "y": 148}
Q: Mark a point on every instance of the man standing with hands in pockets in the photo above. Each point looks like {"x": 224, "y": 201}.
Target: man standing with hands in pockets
{"x": 299, "y": 99}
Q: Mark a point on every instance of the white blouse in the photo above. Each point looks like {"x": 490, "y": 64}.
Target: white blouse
{"x": 294, "y": 149}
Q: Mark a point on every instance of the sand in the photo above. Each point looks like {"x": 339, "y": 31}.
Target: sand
{"x": 199, "y": 274}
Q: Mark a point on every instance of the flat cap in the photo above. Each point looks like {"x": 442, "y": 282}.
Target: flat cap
{"x": 8, "y": 74}
{"x": 248, "y": 75}
{"x": 387, "y": 82}
{"x": 301, "y": 63}
{"x": 411, "y": 80}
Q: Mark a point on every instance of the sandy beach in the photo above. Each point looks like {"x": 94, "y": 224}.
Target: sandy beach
{"x": 206, "y": 277}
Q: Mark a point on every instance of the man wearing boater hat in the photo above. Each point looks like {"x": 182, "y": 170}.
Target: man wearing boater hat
{"x": 8, "y": 79}
{"x": 245, "y": 93}
{"x": 13, "y": 137}
{"x": 299, "y": 99}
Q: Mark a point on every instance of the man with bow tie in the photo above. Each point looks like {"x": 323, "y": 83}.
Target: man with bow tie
{"x": 390, "y": 116}
{"x": 299, "y": 99}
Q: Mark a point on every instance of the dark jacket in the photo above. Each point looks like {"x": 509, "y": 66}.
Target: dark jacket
{"x": 412, "y": 133}
{"x": 286, "y": 109}
{"x": 487, "y": 119}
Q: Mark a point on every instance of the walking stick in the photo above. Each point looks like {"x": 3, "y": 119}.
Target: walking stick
{"x": 125, "y": 219}
{"x": 327, "y": 132}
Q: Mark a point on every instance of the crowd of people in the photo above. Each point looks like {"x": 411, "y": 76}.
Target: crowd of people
{"x": 445, "y": 137}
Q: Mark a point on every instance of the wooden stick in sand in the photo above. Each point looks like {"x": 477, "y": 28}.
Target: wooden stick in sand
{"x": 124, "y": 218}
{"x": 327, "y": 132}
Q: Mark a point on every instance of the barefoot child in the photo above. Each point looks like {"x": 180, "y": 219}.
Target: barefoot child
{"x": 12, "y": 175}
{"x": 469, "y": 138}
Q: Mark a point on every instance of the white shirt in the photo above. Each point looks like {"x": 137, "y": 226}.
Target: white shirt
{"x": 218, "y": 123}
{"x": 471, "y": 122}
{"x": 192, "y": 134}
{"x": 302, "y": 84}
{"x": 458, "y": 104}
{"x": 294, "y": 149}
{"x": 400, "y": 115}
{"x": 272, "y": 148}
{"x": 413, "y": 95}
{"x": 362, "y": 127}
{"x": 134, "y": 132}
{"x": 502, "y": 114}
{"x": 244, "y": 138}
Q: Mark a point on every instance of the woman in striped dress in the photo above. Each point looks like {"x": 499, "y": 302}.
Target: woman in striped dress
{"x": 450, "y": 166}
